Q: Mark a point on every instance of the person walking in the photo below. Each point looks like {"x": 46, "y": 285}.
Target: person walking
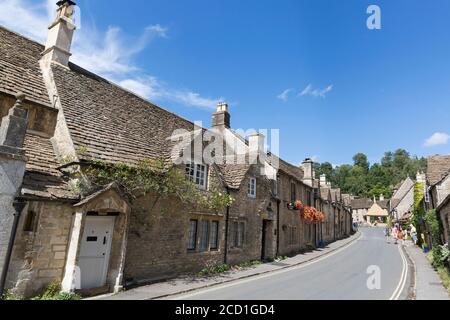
{"x": 395, "y": 233}
{"x": 387, "y": 233}
{"x": 400, "y": 236}
{"x": 414, "y": 234}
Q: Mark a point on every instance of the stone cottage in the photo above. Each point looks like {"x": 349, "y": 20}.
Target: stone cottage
{"x": 438, "y": 190}
{"x": 60, "y": 121}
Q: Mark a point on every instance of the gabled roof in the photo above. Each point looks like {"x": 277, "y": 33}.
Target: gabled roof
{"x": 234, "y": 174}
{"x": 438, "y": 167}
{"x": 403, "y": 188}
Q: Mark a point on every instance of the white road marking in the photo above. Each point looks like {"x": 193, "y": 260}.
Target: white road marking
{"x": 269, "y": 274}
{"x": 404, "y": 276}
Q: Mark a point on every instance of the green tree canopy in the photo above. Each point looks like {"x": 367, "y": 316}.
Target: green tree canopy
{"x": 366, "y": 180}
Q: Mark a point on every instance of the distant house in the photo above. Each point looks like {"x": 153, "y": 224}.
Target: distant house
{"x": 402, "y": 201}
{"x": 378, "y": 212}
{"x": 438, "y": 190}
{"x": 368, "y": 211}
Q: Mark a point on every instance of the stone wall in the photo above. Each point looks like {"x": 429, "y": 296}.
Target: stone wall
{"x": 157, "y": 246}
{"x": 442, "y": 190}
{"x": 445, "y": 218}
{"x": 40, "y": 248}
{"x": 295, "y": 234}
{"x": 251, "y": 212}
{"x": 158, "y": 237}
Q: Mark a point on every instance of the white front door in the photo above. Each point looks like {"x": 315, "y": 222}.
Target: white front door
{"x": 95, "y": 251}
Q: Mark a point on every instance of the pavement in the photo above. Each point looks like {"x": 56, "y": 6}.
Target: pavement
{"x": 428, "y": 285}
{"x": 186, "y": 284}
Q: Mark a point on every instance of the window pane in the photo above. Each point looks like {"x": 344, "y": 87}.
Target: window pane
{"x": 235, "y": 234}
{"x": 240, "y": 241}
{"x": 293, "y": 193}
{"x": 204, "y": 234}
{"x": 214, "y": 235}
{"x": 192, "y": 241}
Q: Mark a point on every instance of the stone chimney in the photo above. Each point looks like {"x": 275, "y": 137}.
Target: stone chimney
{"x": 221, "y": 118}
{"x": 14, "y": 126}
{"x": 308, "y": 169}
{"x": 323, "y": 180}
{"x": 421, "y": 177}
{"x": 256, "y": 143}
{"x": 60, "y": 34}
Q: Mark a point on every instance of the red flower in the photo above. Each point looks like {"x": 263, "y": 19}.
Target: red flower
{"x": 299, "y": 205}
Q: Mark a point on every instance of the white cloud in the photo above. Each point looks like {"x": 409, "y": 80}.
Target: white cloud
{"x": 438, "y": 138}
{"x": 284, "y": 96}
{"x": 310, "y": 91}
{"x": 153, "y": 89}
{"x": 109, "y": 54}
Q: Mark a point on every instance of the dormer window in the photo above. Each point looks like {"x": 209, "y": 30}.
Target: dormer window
{"x": 197, "y": 173}
{"x": 252, "y": 188}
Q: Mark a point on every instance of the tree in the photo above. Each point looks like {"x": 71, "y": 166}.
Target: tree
{"x": 360, "y": 160}
{"x": 362, "y": 179}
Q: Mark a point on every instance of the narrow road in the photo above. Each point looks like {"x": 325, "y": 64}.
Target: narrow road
{"x": 342, "y": 275}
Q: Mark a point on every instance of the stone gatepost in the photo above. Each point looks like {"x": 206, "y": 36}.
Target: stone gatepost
{"x": 12, "y": 168}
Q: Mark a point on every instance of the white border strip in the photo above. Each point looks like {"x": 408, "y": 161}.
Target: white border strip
{"x": 401, "y": 285}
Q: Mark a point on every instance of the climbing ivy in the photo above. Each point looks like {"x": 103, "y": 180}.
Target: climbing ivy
{"x": 418, "y": 216}
{"x": 435, "y": 227}
{"x": 150, "y": 176}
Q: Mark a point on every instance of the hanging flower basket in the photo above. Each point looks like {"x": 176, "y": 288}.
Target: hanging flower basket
{"x": 311, "y": 214}
{"x": 299, "y": 205}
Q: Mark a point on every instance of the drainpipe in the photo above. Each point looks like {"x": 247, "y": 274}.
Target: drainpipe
{"x": 278, "y": 228}
{"x": 227, "y": 221}
{"x": 18, "y": 206}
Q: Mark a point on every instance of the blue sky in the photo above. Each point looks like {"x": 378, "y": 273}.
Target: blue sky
{"x": 347, "y": 89}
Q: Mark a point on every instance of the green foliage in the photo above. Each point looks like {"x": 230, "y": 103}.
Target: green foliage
{"x": 365, "y": 180}
{"x": 418, "y": 216}
{"x": 435, "y": 228}
{"x": 222, "y": 268}
{"x": 9, "y": 295}
{"x": 53, "y": 292}
{"x": 215, "y": 270}
{"x": 441, "y": 268}
{"x": 150, "y": 176}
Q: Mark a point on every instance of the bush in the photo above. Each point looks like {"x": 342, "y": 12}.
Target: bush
{"x": 53, "y": 292}
{"x": 8, "y": 295}
{"x": 215, "y": 270}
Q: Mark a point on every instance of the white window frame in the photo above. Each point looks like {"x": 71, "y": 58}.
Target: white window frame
{"x": 251, "y": 191}
{"x": 198, "y": 174}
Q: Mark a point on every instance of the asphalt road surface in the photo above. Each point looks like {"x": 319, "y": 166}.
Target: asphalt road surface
{"x": 368, "y": 269}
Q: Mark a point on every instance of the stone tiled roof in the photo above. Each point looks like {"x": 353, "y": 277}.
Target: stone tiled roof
{"x": 346, "y": 198}
{"x": 383, "y": 203}
{"x": 361, "y": 203}
{"x": 291, "y": 170}
{"x": 112, "y": 124}
{"x": 234, "y": 174}
{"x": 19, "y": 67}
{"x": 438, "y": 167}
{"x": 42, "y": 179}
